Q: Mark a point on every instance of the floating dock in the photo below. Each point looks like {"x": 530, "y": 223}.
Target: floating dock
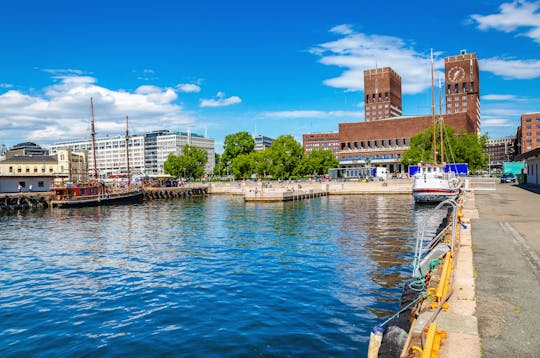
{"x": 266, "y": 195}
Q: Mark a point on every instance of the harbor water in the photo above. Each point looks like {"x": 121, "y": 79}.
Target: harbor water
{"x": 204, "y": 277}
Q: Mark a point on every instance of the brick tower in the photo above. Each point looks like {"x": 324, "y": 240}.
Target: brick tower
{"x": 463, "y": 86}
{"x": 382, "y": 89}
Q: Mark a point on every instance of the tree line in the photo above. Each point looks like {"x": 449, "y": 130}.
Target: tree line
{"x": 285, "y": 158}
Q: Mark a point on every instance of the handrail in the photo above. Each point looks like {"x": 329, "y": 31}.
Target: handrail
{"x": 419, "y": 246}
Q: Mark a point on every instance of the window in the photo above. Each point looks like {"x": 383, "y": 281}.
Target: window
{"x": 355, "y": 145}
{"x": 406, "y": 141}
{"x": 383, "y": 143}
{"x": 398, "y": 142}
{"x": 376, "y": 143}
{"x": 11, "y": 169}
{"x": 449, "y": 89}
{"x": 472, "y": 86}
{"x": 527, "y": 120}
{"x": 22, "y": 184}
{"x": 369, "y": 143}
{"x": 464, "y": 88}
{"x": 28, "y": 170}
{"x": 50, "y": 170}
{"x": 528, "y": 134}
{"x": 456, "y": 88}
{"x": 35, "y": 170}
{"x": 362, "y": 144}
{"x": 41, "y": 184}
{"x": 390, "y": 142}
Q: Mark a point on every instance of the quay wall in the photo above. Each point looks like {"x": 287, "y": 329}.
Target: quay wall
{"x": 399, "y": 186}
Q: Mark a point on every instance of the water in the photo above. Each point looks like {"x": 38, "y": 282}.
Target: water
{"x": 204, "y": 277}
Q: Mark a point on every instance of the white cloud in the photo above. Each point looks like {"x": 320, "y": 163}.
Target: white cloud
{"x": 63, "y": 71}
{"x": 5, "y": 85}
{"x": 188, "y": 88}
{"x": 61, "y": 112}
{"x": 312, "y": 114}
{"x": 511, "y": 69}
{"x": 517, "y": 16}
{"x": 220, "y": 101}
{"x": 499, "y": 97}
{"x": 356, "y": 52}
{"x": 498, "y": 122}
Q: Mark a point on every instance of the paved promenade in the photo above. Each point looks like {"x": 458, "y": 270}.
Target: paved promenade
{"x": 506, "y": 250}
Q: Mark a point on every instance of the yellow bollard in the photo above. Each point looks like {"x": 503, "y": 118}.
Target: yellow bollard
{"x": 444, "y": 285}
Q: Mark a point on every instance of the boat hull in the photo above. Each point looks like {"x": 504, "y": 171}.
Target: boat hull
{"x": 433, "y": 195}
{"x": 127, "y": 198}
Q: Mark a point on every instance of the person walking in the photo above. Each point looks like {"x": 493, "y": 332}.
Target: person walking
{"x": 30, "y": 188}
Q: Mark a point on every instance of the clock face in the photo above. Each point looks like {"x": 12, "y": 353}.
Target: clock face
{"x": 456, "y": 74}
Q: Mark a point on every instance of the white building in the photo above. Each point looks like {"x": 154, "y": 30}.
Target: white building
{"x": 147, "y": 152}
{"x": 174, "y": 142}
{"x": 262, "y": 142}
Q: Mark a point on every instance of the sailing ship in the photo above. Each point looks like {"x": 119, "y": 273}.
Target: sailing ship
{"x": 96, "y": 193}
{"x": 432, "y": 184}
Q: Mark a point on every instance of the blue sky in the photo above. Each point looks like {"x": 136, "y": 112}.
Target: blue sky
{"x": 274, "y": 67}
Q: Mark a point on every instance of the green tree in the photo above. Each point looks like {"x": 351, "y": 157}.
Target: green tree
{"x": 219, "y": 167}
{"x": 236, "y": 144}
{"x": 285, "y": 153}
{"x": 317, "y": 161}
{"x": 190, "y": 163}
{"x": 461, "y": 148}
{"x": 261, "y": 162}
{"x": 241, "y": 166}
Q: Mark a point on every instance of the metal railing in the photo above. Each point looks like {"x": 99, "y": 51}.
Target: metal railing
{"x": 421, "y": 246}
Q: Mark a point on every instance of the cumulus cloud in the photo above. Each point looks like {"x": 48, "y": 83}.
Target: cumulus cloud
{"x": 356, "y": 52}
{"x": 220, "y": 101}
{"x": 518, "y": 16}
{"x": 312, "y": 114}
{"x": 188, "y": 88}
{"x": 511, "y": 69}
{"x": 61, "y": 112}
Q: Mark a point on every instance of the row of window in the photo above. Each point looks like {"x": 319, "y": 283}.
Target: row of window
{"x": 528, "y": 134}
{"x": 463, "y": 88}
{"x": 381, "y": 156}
{"x": 376, "y": 97}
{"x": 528, "y": 120}
{"x": 27, "y": 170}
{"x": 377, "y": 143}
{"x": 530, "y": 127}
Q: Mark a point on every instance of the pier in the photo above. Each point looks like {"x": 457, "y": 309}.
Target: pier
{"x": 266, "y": 195}
{"x": 151, "y": 193}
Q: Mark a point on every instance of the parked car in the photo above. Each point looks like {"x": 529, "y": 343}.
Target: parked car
{"x": 508, "y": 178}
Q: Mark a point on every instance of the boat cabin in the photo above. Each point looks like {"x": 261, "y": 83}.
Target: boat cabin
{"x": 75, "y": 191}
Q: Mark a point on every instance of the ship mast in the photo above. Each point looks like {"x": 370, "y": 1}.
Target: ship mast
{"x": 441, "y": 122}
{"x": 93, "y": 142}
{"x": 433, "y": 110}
{"x": 127, "y": 153}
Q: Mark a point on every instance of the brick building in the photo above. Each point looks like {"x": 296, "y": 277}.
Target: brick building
{"x": 499, "y": 150}
{"x": 326, "y": 140}
{"x": 385, "y": 135}
{"x": 382, "y": 92}
{"x": 529, "y": 131}
{"x": 382, "y": 143}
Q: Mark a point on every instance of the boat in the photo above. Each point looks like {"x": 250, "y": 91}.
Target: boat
{"x": 80, "y": 195}
{"x": 96, "y": 193}
{"x": 432, "y": 183}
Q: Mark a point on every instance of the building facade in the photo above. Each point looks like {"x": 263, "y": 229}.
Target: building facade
{"x": 382, "y": 94}
{"x": 463, "y": 86}
{"x": 499, "y": 150}
{"x": 262, "y": 142}
{"x": 23, "y": 149}
{"x": 173, "y": 142}
{"x": 327, "y": 140}
{"x": 530, "y": 131}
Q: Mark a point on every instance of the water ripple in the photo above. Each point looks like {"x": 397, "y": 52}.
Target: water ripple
{"x": 204, "y": 277}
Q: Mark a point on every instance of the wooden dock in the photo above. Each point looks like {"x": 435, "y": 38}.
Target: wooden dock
{"x": 282, "y": 195}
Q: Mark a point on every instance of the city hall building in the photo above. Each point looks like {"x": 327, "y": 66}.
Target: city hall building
{"x": 385, "y": 134}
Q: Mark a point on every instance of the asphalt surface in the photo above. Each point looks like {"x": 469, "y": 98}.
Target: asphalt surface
{"x": 506, "y": 250}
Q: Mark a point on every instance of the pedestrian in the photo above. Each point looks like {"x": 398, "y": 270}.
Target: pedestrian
{"x": 30, "y": 188}
{"x": 19, "y": 188}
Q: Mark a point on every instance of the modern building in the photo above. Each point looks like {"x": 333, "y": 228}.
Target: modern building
{"x": 262, "y": 142}
{"x": 147, "y": 152}
{"x": 382, "y": 94}
{"x": 26, "y": 148}
{"x": 463, "y": 86}
{"x": 173, "y": 142}
{"x": 3, "y": 150}
{"x": 529, "y": 131}
{"x": 326, "y": 140}
{"x": 499, "y": 150}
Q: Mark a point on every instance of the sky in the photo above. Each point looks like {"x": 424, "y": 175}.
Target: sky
{"x": 265, "y": 67}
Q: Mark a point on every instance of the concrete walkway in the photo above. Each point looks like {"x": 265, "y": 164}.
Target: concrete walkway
{"x": 506, "y": 249}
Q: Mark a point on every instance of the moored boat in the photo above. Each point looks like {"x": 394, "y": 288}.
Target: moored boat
{"x": 73, "y": 195}
{"x": 433, "y": 185}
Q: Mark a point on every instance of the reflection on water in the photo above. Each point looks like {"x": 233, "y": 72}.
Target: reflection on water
{"x": 197, "y": 277}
